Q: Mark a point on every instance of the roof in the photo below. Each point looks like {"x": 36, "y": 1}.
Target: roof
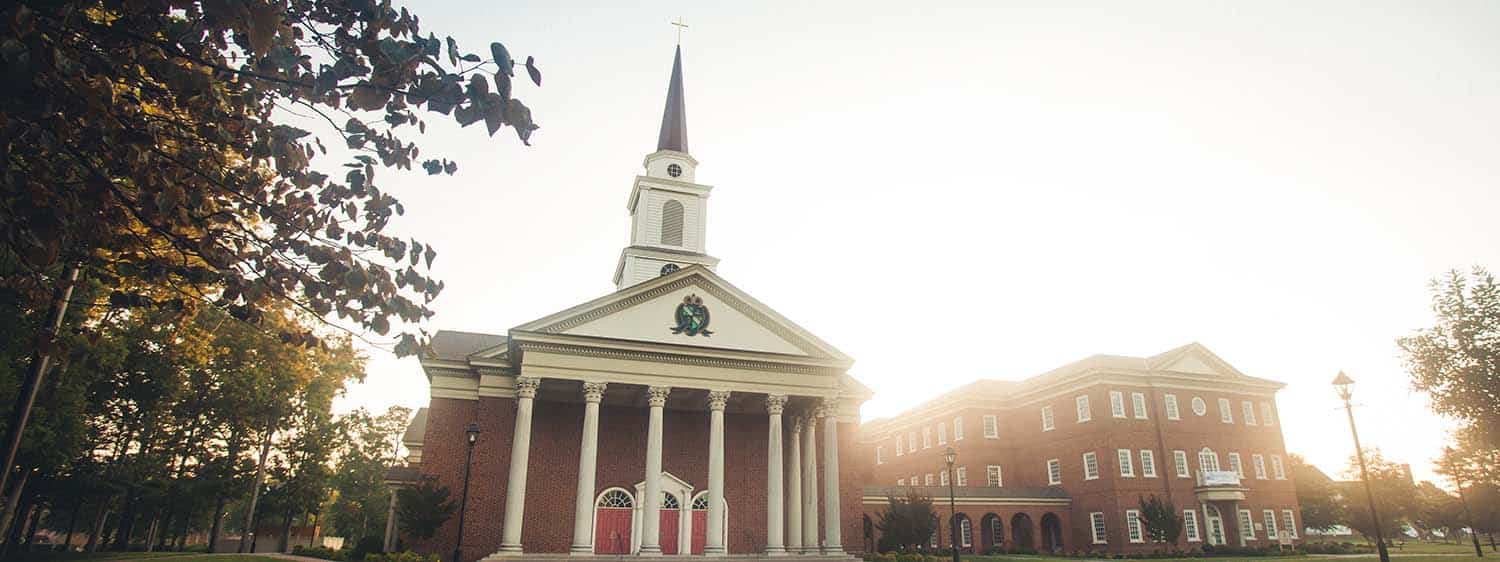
{"x": 402, "y": 475}
{"x": 416, "y": 429}
{"x": 674, "y": 117}
{"x": 455, "y": 345}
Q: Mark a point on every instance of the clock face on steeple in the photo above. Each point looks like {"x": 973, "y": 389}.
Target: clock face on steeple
{"x": 669, "y": 269}
{"x": 674, "y": 170}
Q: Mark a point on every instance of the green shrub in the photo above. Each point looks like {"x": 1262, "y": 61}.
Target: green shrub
{"x": 404, "y": 556}
{"x": 320, "y": 552}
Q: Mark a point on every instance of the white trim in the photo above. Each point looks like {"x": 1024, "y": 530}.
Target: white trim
{"x": 1124, "y": 458}
{"x": 1117, "y": 404}
{"x": 1289, "y": 521}
{"x": 1148, "y": 463}
{"x": 958, "y": 428}
{"x": 1226, "y": 412}
{"x": 1247, "y": 411}
{"x": 1138, "y": 405}
{"x": 634, "y": 519}
{"x": 991, "y": 427}
{"x": 1174, "y": 413}
{"x": 1098, "y": 528}
{"x": 1085, "y": 411}
{"x": 998, "y": 480}
{"x": 1182, "y": 468}
{"x": 1090, "y": 458}
{"x": 1133, "y": 526}
{"x": 1049, "y": 421}
{"x": 1190, "y": 526}
{"x": 1054, "y": 472}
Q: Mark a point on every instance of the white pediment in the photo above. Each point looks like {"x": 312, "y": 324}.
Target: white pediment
{"x": 648, "y": 312}
{"x": 1194, "y": 359}
{"x": 1191, "y": 364}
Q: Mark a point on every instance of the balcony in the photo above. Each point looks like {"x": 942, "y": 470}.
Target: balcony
{"x": 1219, "y": 485}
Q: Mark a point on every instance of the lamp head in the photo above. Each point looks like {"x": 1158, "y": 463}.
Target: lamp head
{"x": 949, "y": 455}
{"x": 472, "y": 432}
{"x": 1344, "y": 384}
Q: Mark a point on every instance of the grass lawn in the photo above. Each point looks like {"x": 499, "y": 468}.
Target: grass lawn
{"x": 90, "y": 556}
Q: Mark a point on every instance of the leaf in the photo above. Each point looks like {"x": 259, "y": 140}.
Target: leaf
{"x": 452, "y": 51}
{"x": 519, "y": 116}
{"x": 265, "y": 21}
{"x": 502, "y": 59}
{"x": 502, "y": 85}
{"x": 471, "y": 57}
{"x": 536, "y": 75}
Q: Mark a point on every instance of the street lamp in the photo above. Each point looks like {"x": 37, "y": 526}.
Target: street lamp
{"x": 1345, "y": 387}
{"x": 1468, "y": 517}
{"x": 949, "y": 455}
{"x": 472, "y": 432}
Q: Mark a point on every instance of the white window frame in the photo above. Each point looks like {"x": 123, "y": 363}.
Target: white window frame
{"x": 1269, "y": 516}
{"x": 1085, "y": 413}
{"x": 915, "y": 481}
{"x": 1049, "y": 422}
{"x": 927, "y": 479}
{"x": 1054, "y": 472}
{"x": 1235, "y": 464}
{"x": 942, "y": 478}
{"x": 1098, "y": 528}
{"x": 1148, "y": 463}
{"x": 942, "y": 433}
{"x": 1133, "y": 526}
{"x": 958, "y": 429}
{"x": 1258, "y": 461}
{"x": 1266, "y": 417}
{"x": 1226, "y": 414}
{"x": 1211, "y": 455}
{"x": 1200, "y": 406}
{"x": 879, "y": 454}
{"x": 962, "y": 475}
{"x": 927, "y": 437}
{"x": 900, "y": 481}
{"x": 1247, "y": 525}
{"x": 994, "y": 477}
{"x": 1173, "y": 412}
{"x": 1117, "y": 404}
{"x": 1278, "y": 470}
{"x": 1090, "y": 466}
{"x": 1138, "y": 405}
{"x": 991, "y": 426}
{"x": 911, "y": 441}
{"x": 1184, "y": 470}
{"x": 965, "y": 532}
{"x": 1190, "y": 526}
{"x": 899, "y": 450}
{"x": 1124, "y": 457}
{"x": 1289, "y": 521}
{"x": 1247, "y": 411}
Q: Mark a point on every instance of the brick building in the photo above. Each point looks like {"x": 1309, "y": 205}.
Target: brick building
{"x": 1059, "y": 461}
{"x": 676, "y": 415}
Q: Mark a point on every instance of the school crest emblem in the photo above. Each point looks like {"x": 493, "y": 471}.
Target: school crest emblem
{"x": 692, "y": 317}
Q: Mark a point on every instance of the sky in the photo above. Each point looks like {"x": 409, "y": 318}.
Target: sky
{"x": 949, "y": 191}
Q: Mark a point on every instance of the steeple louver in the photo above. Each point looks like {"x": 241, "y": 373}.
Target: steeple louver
{"x": 674, "y": 117}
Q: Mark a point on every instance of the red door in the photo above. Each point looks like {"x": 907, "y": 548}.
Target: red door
{"x": 612, "y": 530}
{"x": 700, "y": 530}
{"x": 669, "y": 531}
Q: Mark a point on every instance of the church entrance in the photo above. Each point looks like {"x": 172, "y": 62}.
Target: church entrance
{"x": 671, "y": 510}
{"x": 613, "y": 516}
{"x": 700, "y": 523}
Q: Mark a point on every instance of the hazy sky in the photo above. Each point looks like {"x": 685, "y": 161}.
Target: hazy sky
{"x": 949, "y": 191}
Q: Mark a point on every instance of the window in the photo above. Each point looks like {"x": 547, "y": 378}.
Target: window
{"x": 1270, "y": 517}
{"x": 942, "y": 433}
{"x": 671, "y": 223}
{"x": 911, "y": 442}
{"x": 1097, "y": 519}
{"x": 1276, "y": 469}
{"x": 1225, "y": 414}
{"x": 616, "y": 498}
{"x": 900, "y": 481}
{"x": 1260, "y": 466}
{"x": 1054, "y": 472}
{"x": 899, "y": 452}
{"x": 1116, "y": 404}
{"x": 926, "y": 438}
{"x": 958, "y": 429}
{"x": 1047, "y": 421}
{"x": 1138, "y": 405}
{"x": 1148, "y": 463}
{"x": 965, "y": 532}
{"x": 1265, "y": 419}
{"x": 1247, "y": 409}
{"x": 1090, "y": 466}
{"x": 1172, "y": 411}
{"x": 1247, "y": 525}
{"x": 1084, "y": 414}
{"x": 992, "y": 476}
{"x": 991, "y": 428}
{"x": 962, "y": 475}
{"x": 927, "y": 479}
{"x": 879, "y": 455}
{"x": 1208, "y": 460}
{"x": 1235, "y": 466}
{"x": 943, "y": 478}
{"x": 1190, "y": 525}
{"x": 1127, "y": 468}
{"x": 1200, "y": 408}
{"x": 1133, "y": 525}
{"x": 915, "y": 481}
{"x": 1180, "y": 458}
{"x": 1289, "y": 522}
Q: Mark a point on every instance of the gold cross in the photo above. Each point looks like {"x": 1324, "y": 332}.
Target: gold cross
{"x": 681, "y": 27}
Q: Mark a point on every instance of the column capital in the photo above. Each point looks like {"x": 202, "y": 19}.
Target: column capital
{"x": 796, "y": 424}
{"x": 594, "y": 391}
{"x": 526, "y": 386}
{"x": 657, "y": 395}
{"x": 717, "y": 399}
{"x": 775, "y": 404}
{"x": 826, "y": 407}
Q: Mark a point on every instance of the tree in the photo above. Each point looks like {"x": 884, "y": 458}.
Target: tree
{"x": 1457, "y": 361}
{"x": 423, "y": 508}
{"x": 1393, "y": 490}
{"x": 1434, "y": 509}
{"x": 370, "y": 445}
{"x": 1163, "y": 522}
{"x": 907, "y": 523}
{"x": 1319, "y": 496}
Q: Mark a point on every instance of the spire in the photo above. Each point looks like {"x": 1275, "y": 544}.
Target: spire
{"x": 674, "y": 117}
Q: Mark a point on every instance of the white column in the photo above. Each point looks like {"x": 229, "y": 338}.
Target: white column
{"x": 390, "y": 523}
{"x": 588, "y": 455}
{"x": 651, "y": 504}
{"x": 810, "y": 486}
{"x": 713, "y": 543}
{"x": 794, "y": 489}
{"x": 831, "y": 516}
{"x": 774, "y": 498}
{"x": 520, "y": 455}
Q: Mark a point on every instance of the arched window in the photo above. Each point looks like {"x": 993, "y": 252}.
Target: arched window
{"x": 965, "y": 532}
{"x": 669, "y": 501}
{"x": 1208, "y": 460}
{"x": 616, "y": 498}
{"x": 700, "y": 502}
{"x": 671, "y": 223}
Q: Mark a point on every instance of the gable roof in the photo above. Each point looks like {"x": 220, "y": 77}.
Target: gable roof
{"x": 456, "y": 346}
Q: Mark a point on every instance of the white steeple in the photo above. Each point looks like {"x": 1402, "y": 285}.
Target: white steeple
{"x": 668, "y": 210}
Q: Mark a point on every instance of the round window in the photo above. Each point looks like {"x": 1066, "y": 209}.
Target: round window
{"x": 1199, "y": 406}
{"x": 674, "y": 170}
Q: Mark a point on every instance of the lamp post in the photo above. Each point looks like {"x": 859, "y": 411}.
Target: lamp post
{"x": 1468, "y": 517}
{"x": 949, "y": 455}
{"x": 472, "y": 432}
{"x": 1345, "y": 387}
